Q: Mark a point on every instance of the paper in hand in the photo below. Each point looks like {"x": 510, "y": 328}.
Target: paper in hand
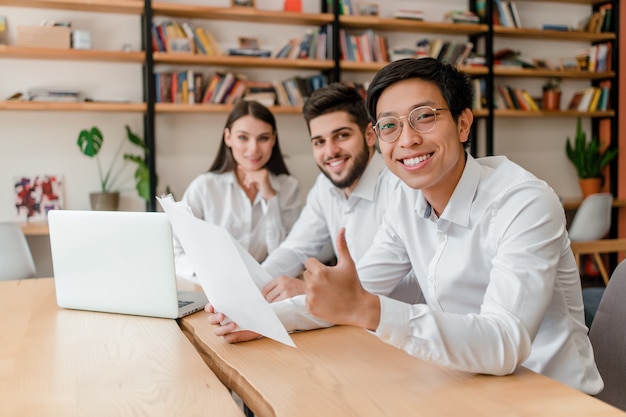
{"x": 225, "y": 271}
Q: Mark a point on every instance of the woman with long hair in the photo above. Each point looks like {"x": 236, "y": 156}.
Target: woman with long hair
{"x": 248, "y": 189}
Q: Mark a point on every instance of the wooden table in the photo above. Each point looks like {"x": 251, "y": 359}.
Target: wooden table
{"x": 346, "y": 371}
{"x": 56, "y": 362}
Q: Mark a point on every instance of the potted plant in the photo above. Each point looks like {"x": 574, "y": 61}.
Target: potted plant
{"x": 552, "y": 94}
{"x": 589, "y": 160}
{"x": 90, "y": 143}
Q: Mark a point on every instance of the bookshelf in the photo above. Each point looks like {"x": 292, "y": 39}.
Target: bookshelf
{"x": 71, "y": 55}
{"x": 560, "y": 124}
{"x": 203, "y": 15}
{"x": 117, "y": 54}
{"x": 494, "y": 123}
{"x": 379, "y": 24}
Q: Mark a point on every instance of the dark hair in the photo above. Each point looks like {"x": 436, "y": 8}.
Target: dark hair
{"x": 455, "y": 85}
{"x": 336, "y": 97}
{"x": 224, "y": 161}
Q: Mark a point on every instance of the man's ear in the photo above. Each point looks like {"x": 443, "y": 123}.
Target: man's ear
{"x": 370, "y": 135}
{"x": 464, "y": 124}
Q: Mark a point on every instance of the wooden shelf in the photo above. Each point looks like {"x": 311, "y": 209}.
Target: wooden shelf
{"x": 572, "y": 35}
{"x": 557, "y": 113}
{"x": 240, "y": 14}
{"x": 376, "y": 66}
{"x": 71, "y": 54}
{"x": 573, "y": 204}
{"x": 588, "y": 2}
{"x": 545, "y": 73}
{"x": 104, "y": 6}
{"x": 407, "y": 25}
{"x": 75, "y": 107}
{"x": 35, "y": 228}
{"x": 216, "y": 108}
{"x": 240, "y": 61}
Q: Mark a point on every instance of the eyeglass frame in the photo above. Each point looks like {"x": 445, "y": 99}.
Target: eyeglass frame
{"x": 407, "y": 117}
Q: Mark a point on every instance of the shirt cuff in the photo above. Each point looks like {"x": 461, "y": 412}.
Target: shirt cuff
{"x": 293, "y": 314}
{"x": 394, "y": 321}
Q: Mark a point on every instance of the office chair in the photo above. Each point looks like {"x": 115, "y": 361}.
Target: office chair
{"x": 591, "y": 222}
{"x": 608, "y": 338}
{"x": 16, "y": 260}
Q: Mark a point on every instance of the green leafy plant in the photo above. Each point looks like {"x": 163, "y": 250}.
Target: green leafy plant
{"x": 90, "y": 143}
{"x": 587, "y": 156}
{"x": 553, "y": 84}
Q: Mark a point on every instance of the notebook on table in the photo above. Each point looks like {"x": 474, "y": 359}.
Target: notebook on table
{"x": 117, "y": 262}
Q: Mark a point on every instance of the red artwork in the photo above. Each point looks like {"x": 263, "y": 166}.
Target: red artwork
{"x": 35, "y": 196}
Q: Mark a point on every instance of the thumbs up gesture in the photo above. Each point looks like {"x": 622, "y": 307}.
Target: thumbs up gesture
{"x": 335, "y": 294}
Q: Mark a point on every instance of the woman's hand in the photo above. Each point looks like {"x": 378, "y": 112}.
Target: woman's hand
{"x": 259, "y": 180}
{"x": 229, "y": 330}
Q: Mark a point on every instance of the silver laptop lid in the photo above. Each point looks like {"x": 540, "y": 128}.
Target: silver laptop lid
{"x": 114, "y": 261}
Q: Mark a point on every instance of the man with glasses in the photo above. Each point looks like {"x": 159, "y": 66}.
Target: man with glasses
{"x": 485, "y": 238}
{"x": 352, "y": 192}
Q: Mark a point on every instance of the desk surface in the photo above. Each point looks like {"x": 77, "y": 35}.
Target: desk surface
{"x": 56, "y": 362}
{"x": 346, "y": 371}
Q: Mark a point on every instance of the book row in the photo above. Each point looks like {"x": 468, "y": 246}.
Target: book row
{"x": 505, "y": 13}
{"x": 456, "y": 53}
{"x": 595, "y": 58}
{"x": 170, "y": 36}
{"x": 314, "y": 44}
{"x": 363, "y": 47}
{"x": 591, "y": 99}
{"x": 594, "y": 98}
{"x": 352, "y": 8}
{"x": 192, "y": 87}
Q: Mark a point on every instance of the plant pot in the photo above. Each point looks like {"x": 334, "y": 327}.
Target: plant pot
{"x": 590, "y": 186}
{"x": 104, "y": 201}
{"x": 551, "y": 100}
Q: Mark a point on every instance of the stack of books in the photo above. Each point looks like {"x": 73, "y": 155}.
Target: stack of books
{"x": 51, "y": 94}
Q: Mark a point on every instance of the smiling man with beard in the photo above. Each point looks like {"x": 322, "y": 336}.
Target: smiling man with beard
{"x": 351, "y": 192}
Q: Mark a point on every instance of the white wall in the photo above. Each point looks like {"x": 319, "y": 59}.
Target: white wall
{"x": 44, "y": 142}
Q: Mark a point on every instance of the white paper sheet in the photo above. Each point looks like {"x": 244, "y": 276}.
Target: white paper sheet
{"x": 225, "y": 271}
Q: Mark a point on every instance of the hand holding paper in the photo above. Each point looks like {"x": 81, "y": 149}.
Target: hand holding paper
{"x": 225, "y": 271}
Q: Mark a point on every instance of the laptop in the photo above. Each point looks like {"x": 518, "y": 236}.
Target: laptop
{"x": 117, "y": 262}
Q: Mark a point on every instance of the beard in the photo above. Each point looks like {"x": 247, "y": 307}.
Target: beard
{"x": 360, "y": 163}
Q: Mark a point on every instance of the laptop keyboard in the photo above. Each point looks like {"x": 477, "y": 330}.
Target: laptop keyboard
{"x": 182, "y": 303}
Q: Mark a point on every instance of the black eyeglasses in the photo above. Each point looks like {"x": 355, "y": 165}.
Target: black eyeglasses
{"x": 421, "y": 119}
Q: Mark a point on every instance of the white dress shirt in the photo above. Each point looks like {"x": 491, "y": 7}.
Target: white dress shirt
{"x": 259, "y": 227}
{"x": 501, "y": 284}
{"x": 498, "y": 275}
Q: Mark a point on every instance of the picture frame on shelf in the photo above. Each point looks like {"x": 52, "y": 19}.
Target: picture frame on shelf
{"x": 243, "y": 3}
{"x": 569, "y": 64}
{"x": 248, "y": 42}
{"x": 542, "y": 63}
{"x": 181, "y": 45}
{"x": 367, "y": 9}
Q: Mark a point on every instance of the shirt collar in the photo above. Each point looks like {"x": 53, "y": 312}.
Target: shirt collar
{"x": 229, "y": 177}
{"x": 366, "y": 187}
{"x": 459, "y": 207}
